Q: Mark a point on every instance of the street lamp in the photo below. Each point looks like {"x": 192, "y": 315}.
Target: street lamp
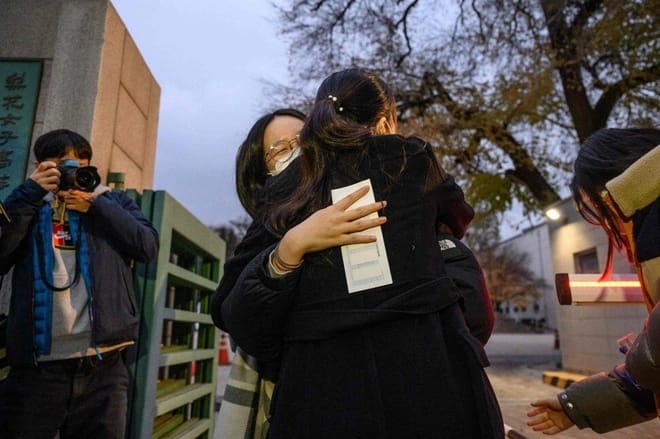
{"x": 553, "y": 213}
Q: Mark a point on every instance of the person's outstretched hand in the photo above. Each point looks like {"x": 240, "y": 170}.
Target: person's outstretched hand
{"x": 332, "y": 226}
{"x": 548, "y": 417}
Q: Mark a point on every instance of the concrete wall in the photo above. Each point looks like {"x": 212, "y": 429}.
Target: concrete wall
{"x": 588, "y": 333}
{"x": 38, "y": 30}
{"x": 94, "y": 80}
{"x": 126, "y": 111}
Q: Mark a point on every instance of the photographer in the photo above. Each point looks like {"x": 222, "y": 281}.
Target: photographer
{"x": 73, "y": 310}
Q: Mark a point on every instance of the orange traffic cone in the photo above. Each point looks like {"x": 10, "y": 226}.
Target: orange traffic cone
{"x": 223, "y": 353}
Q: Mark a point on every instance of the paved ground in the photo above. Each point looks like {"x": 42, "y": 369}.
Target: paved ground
{"x": 523, "y": 348}
{"x": 517, "y": 384}
{"x": 516, "y": 373}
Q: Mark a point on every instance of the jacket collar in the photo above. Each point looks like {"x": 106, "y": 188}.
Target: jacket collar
{"x": 626, "y": 190}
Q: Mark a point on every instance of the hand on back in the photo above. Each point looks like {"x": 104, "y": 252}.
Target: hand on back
{"x": 332, "y": 226}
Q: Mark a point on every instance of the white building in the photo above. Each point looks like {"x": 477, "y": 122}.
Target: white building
{"x": 588, "y": 333}
{"x": 535, "y": 242}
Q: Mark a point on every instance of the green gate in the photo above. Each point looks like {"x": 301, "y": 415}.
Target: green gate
{"x": 174, "y": 364}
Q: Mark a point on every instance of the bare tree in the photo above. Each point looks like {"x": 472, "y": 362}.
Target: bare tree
{"x": 505, "y": 268}
{"x": 508, "y": 276}
{"x": 507, "y": 89}
{"x": 233, "y": 232}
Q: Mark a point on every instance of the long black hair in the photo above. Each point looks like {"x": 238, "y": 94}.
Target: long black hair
{"x": 603, "y": 156}
{"x": 251, "y": 171}
{"x": 349, "y": 105}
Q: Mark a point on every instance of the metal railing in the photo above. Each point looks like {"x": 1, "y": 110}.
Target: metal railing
{"x": 174, "y": 363}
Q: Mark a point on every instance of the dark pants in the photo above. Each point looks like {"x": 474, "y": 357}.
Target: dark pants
{"x": 82, "y": 398}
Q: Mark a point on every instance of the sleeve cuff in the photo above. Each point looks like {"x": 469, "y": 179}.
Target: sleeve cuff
{"x": 272, "y": 271}
{"x": 270, "y": 276}
{"x": 572, "y": 412}
{"x": 599, "y": 402}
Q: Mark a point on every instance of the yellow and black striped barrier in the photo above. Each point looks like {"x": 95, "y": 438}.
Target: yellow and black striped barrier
{"x": 560, "y": 378}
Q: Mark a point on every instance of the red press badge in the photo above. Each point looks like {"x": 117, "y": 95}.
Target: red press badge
{"x": 62, "y": 236}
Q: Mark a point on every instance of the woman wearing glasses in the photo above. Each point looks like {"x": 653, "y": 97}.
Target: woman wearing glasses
{"x": 395, "y": 360}
{"x": 269, "y": 148}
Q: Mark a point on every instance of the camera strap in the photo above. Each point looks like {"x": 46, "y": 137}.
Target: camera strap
{"x": 4, "y": 214}
{"x": 42, "y": 262}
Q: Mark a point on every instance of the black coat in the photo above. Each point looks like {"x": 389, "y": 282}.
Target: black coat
{"x": 464, "y": 270}
{"x": 390, "y": 362}
{"x": 456, "y": 214}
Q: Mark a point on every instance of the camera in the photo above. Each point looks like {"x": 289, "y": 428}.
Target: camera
{"x": 74, "y": 176}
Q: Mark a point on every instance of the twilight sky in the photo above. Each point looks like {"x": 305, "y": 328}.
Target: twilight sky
{"x": 210, "y": 58}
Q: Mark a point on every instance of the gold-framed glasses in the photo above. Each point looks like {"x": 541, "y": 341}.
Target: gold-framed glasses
{"x": 282, "y": 150}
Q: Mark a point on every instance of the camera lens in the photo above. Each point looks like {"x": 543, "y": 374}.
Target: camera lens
{"x": 87, "y": 178}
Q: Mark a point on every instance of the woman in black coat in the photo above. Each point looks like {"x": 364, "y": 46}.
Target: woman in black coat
{"x": 391, "y": 361}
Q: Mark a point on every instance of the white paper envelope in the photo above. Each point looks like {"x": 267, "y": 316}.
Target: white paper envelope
{"x": 365, "y": 265}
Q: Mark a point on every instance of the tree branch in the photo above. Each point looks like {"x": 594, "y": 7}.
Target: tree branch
{"x": 342, "y": 14}
{"x": 318, "y": 5}
{"x": 587, "y": 8}
{"x": 404, "y": 20}
{"x": 525, "y": 171}
{"x": 613, "y": 93}
{"x": 592, "y": 69}
{"x": 568, "y": 66}
{"x": 480, "y": 19}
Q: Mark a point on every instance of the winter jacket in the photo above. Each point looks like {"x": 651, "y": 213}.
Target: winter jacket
{"x": 243, "y": 414}
{"x": 389, "y": 362}
{"x": 624, "y": 397}
{"x": 116, "y": 233}
{"x": 461, "y": 265}
{"x": 464, "y": 270}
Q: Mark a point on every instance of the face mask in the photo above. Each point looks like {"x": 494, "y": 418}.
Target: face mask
{"x": 282, "y": 165}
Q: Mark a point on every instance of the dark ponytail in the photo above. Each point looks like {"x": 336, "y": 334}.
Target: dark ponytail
{"x": 349, "y": 105}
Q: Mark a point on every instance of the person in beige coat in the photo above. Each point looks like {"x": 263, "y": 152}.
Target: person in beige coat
{"x": 617, "y": 186}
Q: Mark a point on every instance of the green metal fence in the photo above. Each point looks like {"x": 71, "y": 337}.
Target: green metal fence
{"x": 174, "y": 364}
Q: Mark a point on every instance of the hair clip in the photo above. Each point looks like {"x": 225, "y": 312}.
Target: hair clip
{"x": 334, "y": 103}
